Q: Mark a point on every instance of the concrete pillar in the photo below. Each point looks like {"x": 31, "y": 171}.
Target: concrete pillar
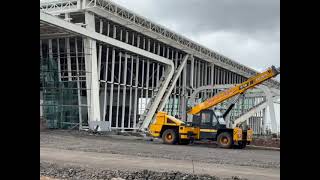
{"x": 91, "y": 67}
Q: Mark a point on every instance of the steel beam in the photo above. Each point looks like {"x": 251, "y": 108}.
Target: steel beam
{"x": 47, "y": 18}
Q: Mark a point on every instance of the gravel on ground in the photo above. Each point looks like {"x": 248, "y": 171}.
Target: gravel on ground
{"x": 57, "y": 171}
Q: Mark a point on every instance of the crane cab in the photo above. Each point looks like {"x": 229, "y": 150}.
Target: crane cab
{"x": 214, "y": 128}
{"x": 208, "y": 123}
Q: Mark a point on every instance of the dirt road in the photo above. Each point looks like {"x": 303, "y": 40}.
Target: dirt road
{"x": 62, "y": 147}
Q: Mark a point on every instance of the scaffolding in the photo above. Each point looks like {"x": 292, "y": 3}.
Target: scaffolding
{"x": 60, "y": 99}
{"x": 63, "y": 92}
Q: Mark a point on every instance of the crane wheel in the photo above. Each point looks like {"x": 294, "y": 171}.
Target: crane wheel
{"x": 169, "y": 136}
{"x": 225, "y": 140}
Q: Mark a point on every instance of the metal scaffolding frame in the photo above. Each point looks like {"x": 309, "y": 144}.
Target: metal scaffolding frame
{"x": 63, "y": 85}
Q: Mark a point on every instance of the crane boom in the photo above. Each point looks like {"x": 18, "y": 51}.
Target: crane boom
{"x": 238, "y": 89}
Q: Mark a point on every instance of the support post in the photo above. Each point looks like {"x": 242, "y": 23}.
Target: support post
{"x": 78, "y": 85}
{"x": 90, "y": 49}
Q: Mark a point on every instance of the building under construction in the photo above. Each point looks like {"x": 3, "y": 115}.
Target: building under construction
{"x": 101, "y": 63}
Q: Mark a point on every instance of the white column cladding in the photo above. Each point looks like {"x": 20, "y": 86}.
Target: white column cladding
{"x": 92, "y": 67}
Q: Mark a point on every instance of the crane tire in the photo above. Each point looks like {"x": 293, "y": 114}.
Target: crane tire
{"x": 170, "y": 136}
{"x": 225, "y": 140}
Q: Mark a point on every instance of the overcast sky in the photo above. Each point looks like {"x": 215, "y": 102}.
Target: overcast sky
{"x": 247, "y": 31}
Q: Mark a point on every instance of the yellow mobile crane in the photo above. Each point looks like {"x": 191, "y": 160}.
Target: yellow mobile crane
{"x": 205, "y": 123}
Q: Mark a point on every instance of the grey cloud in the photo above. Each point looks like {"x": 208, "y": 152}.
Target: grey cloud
{"x": 247, "y": 31}
{"x": 243, "y": 16}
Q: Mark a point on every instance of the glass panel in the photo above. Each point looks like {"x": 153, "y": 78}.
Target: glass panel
{"x": 205, "y": 118}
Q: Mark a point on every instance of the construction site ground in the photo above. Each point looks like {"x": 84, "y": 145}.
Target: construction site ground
{"x": 81, "y": 155}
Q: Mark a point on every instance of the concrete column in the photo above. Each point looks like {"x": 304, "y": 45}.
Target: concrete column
{"x": 92, "y": 67}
